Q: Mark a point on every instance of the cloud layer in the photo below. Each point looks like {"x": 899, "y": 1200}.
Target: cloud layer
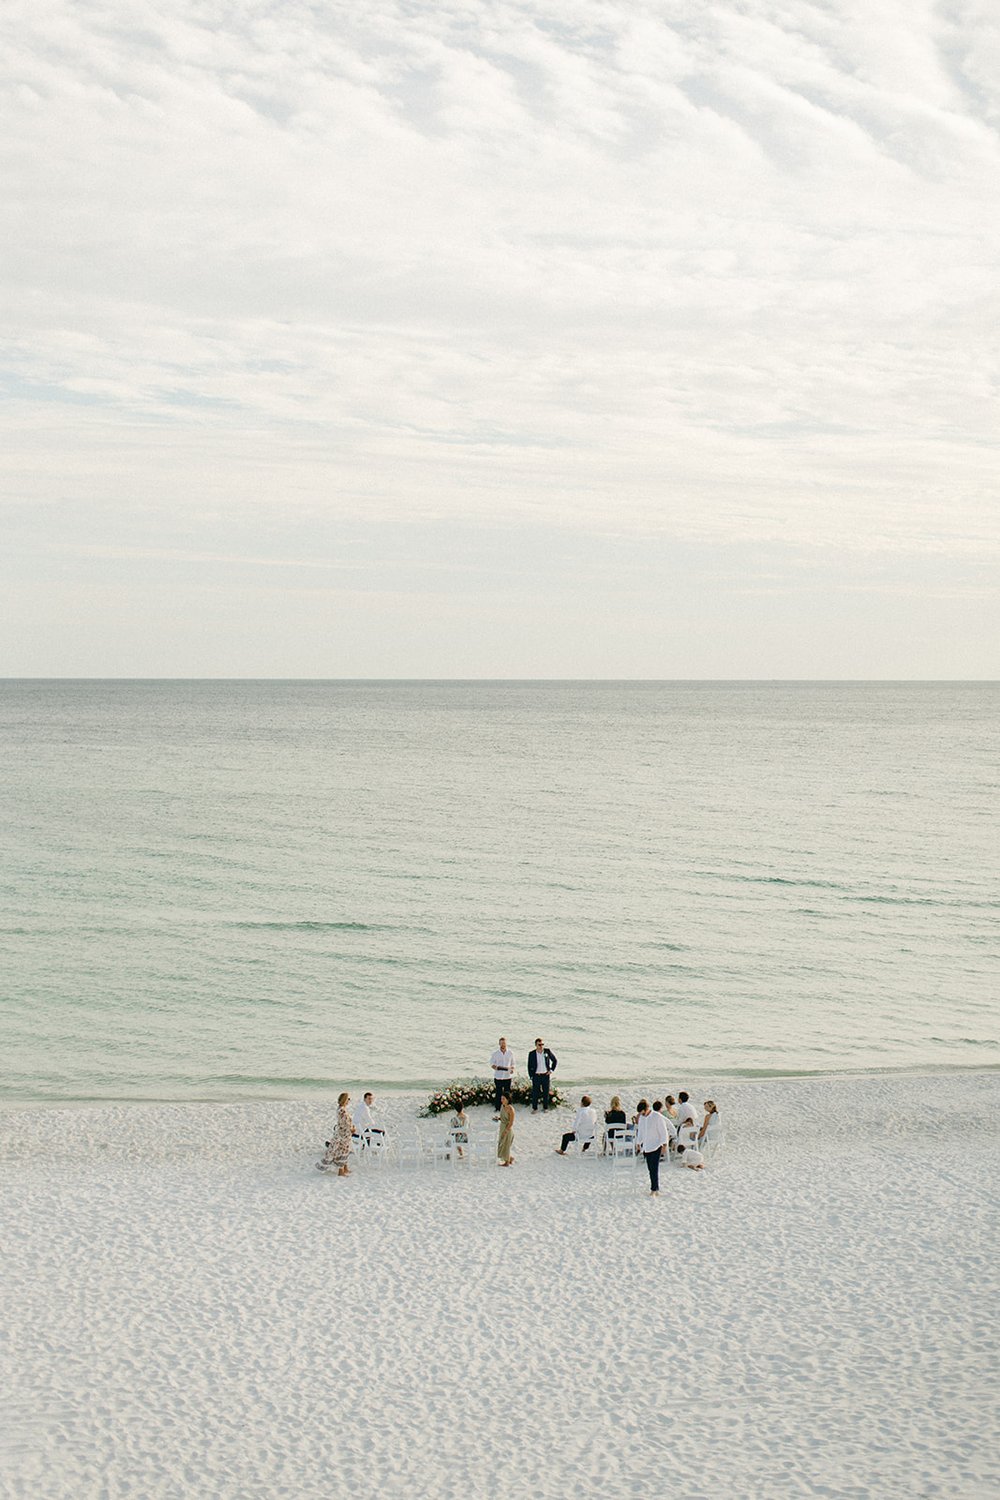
{"x": 681, "y": 275}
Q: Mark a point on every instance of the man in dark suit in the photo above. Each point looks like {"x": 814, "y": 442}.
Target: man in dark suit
{"x": 541, "y": 1065}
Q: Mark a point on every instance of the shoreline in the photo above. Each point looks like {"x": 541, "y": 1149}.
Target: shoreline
{"x": 698, "y": 1078}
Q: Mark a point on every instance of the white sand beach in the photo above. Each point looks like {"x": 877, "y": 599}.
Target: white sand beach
{"x": 190, "y": 1310}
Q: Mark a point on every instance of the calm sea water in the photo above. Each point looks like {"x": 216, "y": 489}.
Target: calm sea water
{"x": 226, "y": 889}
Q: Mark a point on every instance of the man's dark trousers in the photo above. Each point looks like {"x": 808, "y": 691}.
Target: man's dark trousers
{"x": 653, "y": 1163}
{"x": 540, "y": 1090}
{"x": 501, "y": 1086}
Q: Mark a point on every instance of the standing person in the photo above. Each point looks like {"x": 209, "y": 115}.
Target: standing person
{"x": 502, "y": 1063}
{"x": 541, "y": 1065}
{"x": 338, "y": 1147}
{"x": 652, "y": 1141}
{"x": 505, "y": 1140}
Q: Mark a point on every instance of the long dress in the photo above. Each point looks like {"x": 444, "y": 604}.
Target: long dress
{"x": 505, "y": 1141}
{"x": 339, "y": 1148}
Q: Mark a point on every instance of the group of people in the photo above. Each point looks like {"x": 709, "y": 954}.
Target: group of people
{"x": 542, "y": 1063}
{"x": 355, "y": 1127}
{"x": 672, "y": 1127}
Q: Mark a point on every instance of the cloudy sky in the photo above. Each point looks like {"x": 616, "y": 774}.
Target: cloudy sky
{"x": 642, "y": 338}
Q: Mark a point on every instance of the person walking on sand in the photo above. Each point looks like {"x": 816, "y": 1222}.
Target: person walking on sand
{"x": 338, "y": 1147}
{"x": 541, "y": 1065}
{"x": 502, "y": 1063}
{"x": 505, "y": 1140}
{"x": 652, "y": 1141}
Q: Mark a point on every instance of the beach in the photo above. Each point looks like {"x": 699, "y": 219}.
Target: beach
{"x": 189, "y": 1309}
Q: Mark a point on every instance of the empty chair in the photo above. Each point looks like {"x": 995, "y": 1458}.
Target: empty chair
{"x": 481, "y": 1150}
{"x": 411, "y": 1151}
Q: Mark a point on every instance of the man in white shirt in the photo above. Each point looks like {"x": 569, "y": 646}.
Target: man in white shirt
{"x": 502, "y": 1063}
{"x": 652, "y": 1137}
{"x": 687, "y": 1113}
{"x": 584, "y": 1127}
{"x": 362, "y": 1120}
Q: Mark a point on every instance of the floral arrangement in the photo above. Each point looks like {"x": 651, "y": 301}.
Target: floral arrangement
{"x": 465, "y": 1092}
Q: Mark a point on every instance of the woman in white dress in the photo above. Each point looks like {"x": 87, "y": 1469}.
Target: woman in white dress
{"x": 711, "y": 1127}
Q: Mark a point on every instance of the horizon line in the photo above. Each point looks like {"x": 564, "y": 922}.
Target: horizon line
{"x": 521, "y": 681}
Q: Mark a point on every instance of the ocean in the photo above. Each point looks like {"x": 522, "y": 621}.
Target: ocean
{"x": 225, "y": 890}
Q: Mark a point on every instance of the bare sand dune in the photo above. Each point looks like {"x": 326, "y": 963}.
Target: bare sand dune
{"x": 190, "y": 1310}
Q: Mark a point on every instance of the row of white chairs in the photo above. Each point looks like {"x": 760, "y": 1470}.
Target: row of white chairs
{"x": 478, "y": 1148}
{"x": 415, "y": 1148}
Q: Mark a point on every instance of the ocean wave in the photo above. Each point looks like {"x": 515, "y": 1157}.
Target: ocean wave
{"x": 315, "y": 926}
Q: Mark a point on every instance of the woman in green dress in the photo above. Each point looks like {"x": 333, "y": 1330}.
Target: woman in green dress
{"x": 505, "y": 1141}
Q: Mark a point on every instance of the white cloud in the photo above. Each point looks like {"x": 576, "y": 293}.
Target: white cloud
{"x": 721, "y": 272}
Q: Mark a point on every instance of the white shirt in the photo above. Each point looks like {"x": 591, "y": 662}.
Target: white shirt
{"x": 692, "y": 1159}
{"x": 362, "y": 1117}
{"x": 687, "y": 1113}
{"x": 652, "y": 1132}
{"x": 502, "y": 1064}
{"x": 585, "y": 1123}
{"x": 541, "y": 1066}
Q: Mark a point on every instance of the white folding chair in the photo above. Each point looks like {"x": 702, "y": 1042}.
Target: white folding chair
{"x": 590, "y": 1141}
{"x": 441, "y": 1152}
{"x": 411, "y": 1151}
{"x": 378, "y": 1148}
{"x": 481, "y": 1149}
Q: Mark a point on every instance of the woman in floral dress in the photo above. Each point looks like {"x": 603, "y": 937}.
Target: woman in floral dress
{"x": 338, "y": 1147}
{"x": 505, "y": 1141}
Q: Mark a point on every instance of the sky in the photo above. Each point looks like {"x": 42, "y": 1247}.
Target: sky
{"x": 518, "y": 338}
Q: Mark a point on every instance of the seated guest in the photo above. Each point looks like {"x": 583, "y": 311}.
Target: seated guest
{"x": 670, "y": 1107}
{"x": 615, "y": 1122}
{"x": 687, "y": 1156}
{"x": 458, "y": 1130}
{"x": 584, "y": 1127}
{"x": 687, "y": 1114}
{"x": 660, "y": 1109}
{"x": 710, "y": 1126}
{"x": 362, "y": 1120}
